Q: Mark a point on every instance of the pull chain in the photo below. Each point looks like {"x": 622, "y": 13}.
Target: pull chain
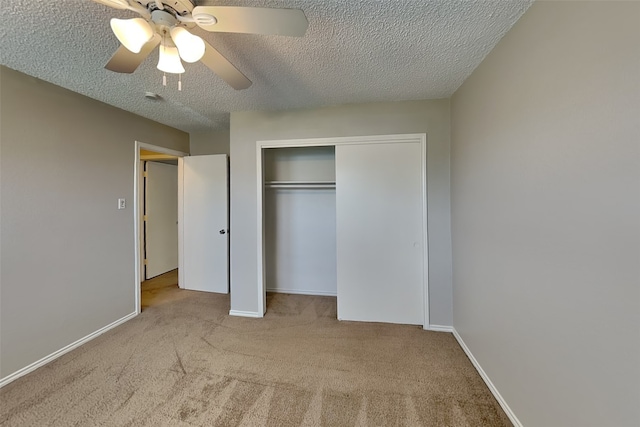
{"x": 162, "y": 46}
{"x": 180, "y": 82}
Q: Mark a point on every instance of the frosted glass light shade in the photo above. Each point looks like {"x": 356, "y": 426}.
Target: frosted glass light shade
{"x": 132, "y": 33}
{"x": 170, "y": 60}
{"x": 190, "y": 47}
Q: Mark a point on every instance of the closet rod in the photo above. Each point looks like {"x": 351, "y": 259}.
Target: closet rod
{"x": 300, "y": 184}
{"x": 295, "y": 187}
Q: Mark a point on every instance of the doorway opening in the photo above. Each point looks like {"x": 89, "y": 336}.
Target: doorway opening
{"x": 157, "y": 195}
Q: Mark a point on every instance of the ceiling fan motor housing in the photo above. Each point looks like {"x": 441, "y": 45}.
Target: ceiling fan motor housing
{"x": 181, "y": 7}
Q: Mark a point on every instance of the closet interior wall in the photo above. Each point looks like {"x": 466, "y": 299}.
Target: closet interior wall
{"x": 300, "y": 220}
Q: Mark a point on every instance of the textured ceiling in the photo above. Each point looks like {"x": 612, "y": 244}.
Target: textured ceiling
{"x": 354, "y": 51}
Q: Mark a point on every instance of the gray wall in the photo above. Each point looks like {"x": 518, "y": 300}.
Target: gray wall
{"x": 546, "y": 214}
{"x": 430, "y": 117}
{"x": 67, "y": 265}
{"x": 214, "y": 142}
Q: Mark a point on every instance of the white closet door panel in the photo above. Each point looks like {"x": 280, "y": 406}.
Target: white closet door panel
{"x": 300, "y": 235}
{"x": 205, "y": 215}
{"x": 379, "y": 232}
{"x": 161, "y": 209}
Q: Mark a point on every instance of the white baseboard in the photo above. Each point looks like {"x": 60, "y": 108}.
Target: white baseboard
{"x": 439, "y": 328}
{"x": 240, "y": 313}
{"x": 302, "y": 292}
{"x": 516, "y": 422}
{"x": 35, "y": 365}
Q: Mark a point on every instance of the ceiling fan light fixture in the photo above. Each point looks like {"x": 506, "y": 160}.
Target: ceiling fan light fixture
{"x": 169, "y": 61}
{"x": 132, "y": 33}
{"x": 190, "y": 47}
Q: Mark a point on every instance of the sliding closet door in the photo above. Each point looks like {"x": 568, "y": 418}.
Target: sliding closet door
{"x": 380, "y": 232}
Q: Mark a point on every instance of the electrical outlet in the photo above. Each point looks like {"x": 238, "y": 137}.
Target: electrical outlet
{"x": 122, "y": 203}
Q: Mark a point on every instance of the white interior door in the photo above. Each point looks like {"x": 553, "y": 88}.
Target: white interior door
{"x": 161, "y": 212}
{"x": 205, "y": 222}
{"x": 379, "y": 226}
{"x": 141, "y": 185}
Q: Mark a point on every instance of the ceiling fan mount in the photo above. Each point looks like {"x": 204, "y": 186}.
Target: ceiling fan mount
{"x": 166, "y": 23}
{"x": 163, "y": 18}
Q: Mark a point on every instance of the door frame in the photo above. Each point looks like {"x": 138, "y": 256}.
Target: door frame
{"x": 136, "y": 211}
{"x": 420, "y": 138}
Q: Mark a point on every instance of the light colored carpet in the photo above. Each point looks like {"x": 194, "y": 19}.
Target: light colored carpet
{"x": 185, "y": 362}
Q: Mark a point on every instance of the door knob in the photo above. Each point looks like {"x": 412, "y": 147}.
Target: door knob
{"x": 223, "y": 231}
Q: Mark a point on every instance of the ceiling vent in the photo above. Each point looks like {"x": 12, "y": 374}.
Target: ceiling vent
{"x": 152, "y": 96}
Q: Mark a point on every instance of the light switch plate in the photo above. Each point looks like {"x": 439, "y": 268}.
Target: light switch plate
{"x": 122, "y": 203}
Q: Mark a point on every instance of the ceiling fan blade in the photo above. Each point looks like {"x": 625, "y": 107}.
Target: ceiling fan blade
{"x": 116, "y": 4}
{"x": 252, "y": 20}
{"x": 125, "y": 61}
{"x": 225, "y": 69}
{"x": 125, "y": 5}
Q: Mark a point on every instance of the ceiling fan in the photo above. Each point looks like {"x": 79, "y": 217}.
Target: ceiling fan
{"x": 167, "y": 23}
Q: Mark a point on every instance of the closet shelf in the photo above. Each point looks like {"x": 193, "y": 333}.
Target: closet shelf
{"x": 300, "y": 184}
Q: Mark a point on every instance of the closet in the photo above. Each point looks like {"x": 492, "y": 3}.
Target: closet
{"x": 347, "y": 217}
{"x": 300, "y": 220}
